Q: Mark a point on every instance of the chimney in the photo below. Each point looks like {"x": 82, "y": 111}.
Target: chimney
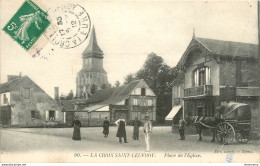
{"x": 56, "y": 93}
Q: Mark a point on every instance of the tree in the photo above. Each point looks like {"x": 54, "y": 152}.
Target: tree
{"x": 70, "y": 95}
{"x": 62, "y": 97}
{"x": 130, "y": 77}
{"x": 117, "y": 83}
{"x": 104, "y": 86}
{"x": 93, "y": 89}
{"x": 158, "y": 76}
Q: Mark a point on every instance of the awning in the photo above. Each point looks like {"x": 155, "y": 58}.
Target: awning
{"x": 173, "y": 112}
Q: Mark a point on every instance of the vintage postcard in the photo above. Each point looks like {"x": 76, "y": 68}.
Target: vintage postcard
{"x": 116, "y": 81}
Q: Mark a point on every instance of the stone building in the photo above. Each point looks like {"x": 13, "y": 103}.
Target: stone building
{"x": 24, "y": 103}
{"x": 217, "y": 72}
{"x": 92, "y": 73}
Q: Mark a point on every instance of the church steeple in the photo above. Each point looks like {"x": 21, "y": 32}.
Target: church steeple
{"x": 92, "y": 72}
{"x": 93, "y": 49}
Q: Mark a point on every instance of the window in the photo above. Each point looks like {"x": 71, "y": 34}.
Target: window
{"x": 135, "y": 101}
{"x": 121, "y": 102}
{"x": 143, "y": 91}
{"x": 126, "y": 101}
{"x": 150, "y": 102}
{"x": 51, "y": 115}
{"x": 33, "y": 114}
{"x": 178, "y": 91}
{"x": 201, "y": 76}
{"x": 26, "y": 94}
{"x": 5, "y": 99}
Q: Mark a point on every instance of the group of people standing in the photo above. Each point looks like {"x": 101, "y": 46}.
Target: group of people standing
{"x": 121, "y": 131}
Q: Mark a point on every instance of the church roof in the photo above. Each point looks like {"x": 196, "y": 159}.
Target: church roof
{"x": 91, "y": 69}
{"x": 93, "y": 50}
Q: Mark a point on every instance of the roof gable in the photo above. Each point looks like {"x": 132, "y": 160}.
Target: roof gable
{"x": 7, "y": 86}
{"x": 109, "y": 96}
{"x": 220, "y": 48}
{"x": 230, "y": 48}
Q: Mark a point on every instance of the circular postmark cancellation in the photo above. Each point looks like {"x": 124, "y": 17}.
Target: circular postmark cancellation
{"x": 73, "y": 25}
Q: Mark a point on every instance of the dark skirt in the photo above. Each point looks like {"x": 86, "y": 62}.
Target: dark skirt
{"x": 106, "y": 130}
{"x": 136, "y": 132}
{"x": 76, "y": 133}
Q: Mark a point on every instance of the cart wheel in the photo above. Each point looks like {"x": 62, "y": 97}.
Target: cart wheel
{"x": 225, "y": 133}
{"x": 243, "y": 136}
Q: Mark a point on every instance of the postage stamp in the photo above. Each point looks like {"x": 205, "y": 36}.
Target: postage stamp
{"x": 27, "y": 25}
{"x": 73, "y": 24}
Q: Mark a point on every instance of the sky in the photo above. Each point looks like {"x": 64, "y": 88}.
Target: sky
{"x": 126, "y": 32}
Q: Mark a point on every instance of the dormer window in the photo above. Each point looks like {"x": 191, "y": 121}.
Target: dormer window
{"x": 142, "y": 91}
{"x": 201, "y": 76}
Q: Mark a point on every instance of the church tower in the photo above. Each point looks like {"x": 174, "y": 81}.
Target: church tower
{"x": 92, "y": 72}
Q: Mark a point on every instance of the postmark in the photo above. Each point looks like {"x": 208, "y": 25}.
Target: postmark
{"x": 27, "y": 25}
{"x": 73, "y": 24}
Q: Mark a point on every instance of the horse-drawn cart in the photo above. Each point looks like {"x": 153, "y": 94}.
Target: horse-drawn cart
{"x": 236, "y": 122}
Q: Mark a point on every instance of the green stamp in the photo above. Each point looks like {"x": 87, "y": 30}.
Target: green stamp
{"x": 27, "y": 25}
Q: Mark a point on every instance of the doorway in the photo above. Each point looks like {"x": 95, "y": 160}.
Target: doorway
{"x": 119, "y": 113}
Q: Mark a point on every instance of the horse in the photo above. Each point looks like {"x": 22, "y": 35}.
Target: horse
{"x": 202, "y": 122}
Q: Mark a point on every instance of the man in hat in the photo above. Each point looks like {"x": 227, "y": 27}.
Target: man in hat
{"x": 147, "y": 132}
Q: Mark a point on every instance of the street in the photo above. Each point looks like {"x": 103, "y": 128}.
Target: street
{"x": 30, "y": 140}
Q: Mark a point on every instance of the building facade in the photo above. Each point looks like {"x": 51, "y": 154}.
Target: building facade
{"x": 24, "y": 103}
{"x": 92, "y": 74}
{"x": 218, "y": 72}
{"x": 132, "y": 100}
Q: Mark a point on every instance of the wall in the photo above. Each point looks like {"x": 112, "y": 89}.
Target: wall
{"x": 227, "y": 72}
{"x": 38, "y": 101}
{"x": 94, "y": 118}
{"x": 175, "y": 97}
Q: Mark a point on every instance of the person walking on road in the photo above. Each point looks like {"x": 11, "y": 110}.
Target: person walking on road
{"x": 181, "y": 128}
{"x": 121, "y": 132}
{"x": 147, "y": 132}
{"x": 76, "y": 133}
{"x": 106, "y": 127}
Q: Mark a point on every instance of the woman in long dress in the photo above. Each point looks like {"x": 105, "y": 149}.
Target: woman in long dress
{"x": 137, "y": 123}
{"x": 121, "y": 132}
{"x": 106, "y": 127}
{"x": 76, "y": 133}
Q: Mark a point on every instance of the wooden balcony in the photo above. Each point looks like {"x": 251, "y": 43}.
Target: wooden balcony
{"x": 204, "y": 90}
